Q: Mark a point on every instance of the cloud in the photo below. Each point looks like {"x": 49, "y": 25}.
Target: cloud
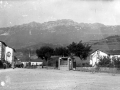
{"x": 95, "y": 0}
{"x": 18, "y": 0}
{"x": 88, "y": 11}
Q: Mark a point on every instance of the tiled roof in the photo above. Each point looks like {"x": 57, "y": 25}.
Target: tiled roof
{"x": 109, "y": 52}
{"x": 3, "y": 43}
{"x": 37, "y": 60}
{"x": 97, "y": 50}
{"x": 113, "y": 52}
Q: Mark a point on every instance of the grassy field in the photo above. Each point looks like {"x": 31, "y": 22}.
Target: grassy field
{"x": 50, "y": 79}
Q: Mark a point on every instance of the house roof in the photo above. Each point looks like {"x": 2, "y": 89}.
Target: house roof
{"x": 94, "y": 51}
{"x": 109, "y": 52}
{"x": 3, "y": 43}
{"x": 113, "y": 52}
{"x": 97, "y": 50}
{"x": 36, "y": 60}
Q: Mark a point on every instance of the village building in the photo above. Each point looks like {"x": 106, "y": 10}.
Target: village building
{"x": 34, "y": 60}
{"x": 114, "y": 54}
{"x": 96, "y": 55}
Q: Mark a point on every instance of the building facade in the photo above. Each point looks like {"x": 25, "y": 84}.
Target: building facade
{"x": 96, "y": 56}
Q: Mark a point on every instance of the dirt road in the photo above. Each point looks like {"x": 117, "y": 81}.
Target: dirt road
{"x": 43, "y": 79}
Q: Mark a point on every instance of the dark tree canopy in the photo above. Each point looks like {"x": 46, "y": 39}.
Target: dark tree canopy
{"x": 44, "y": 52}
{"x": 61, "y": 51}
{"x": 79, "y": 49}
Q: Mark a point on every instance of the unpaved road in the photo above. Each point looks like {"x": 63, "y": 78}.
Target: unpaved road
{"x": 43, "y": 79}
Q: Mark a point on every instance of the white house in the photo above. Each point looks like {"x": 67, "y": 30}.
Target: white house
{"x": 114, "y": 54}
{"x": 9, "y": 54}
{"x": 96, "y": 56}
{"x": 34, "y": 60}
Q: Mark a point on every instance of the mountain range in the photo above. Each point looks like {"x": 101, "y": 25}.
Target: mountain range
{"x": 59, "y": 33}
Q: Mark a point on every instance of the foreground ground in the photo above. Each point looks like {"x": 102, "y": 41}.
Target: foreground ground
{"x": 43, "y": 79}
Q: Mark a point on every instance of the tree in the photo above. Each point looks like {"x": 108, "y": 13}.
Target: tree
{"x": 61, "y": 51}
{"x": 79, "y": 49}
{"x": 45, "y": 52}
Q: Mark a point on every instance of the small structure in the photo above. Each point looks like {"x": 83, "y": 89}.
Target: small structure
{"x": 114, "y": 53}
{"x": 36, "y": 62}
{"x": 32, "y": 61}
{"x": 65, "y": 63}
{"x": 96, "y": 56}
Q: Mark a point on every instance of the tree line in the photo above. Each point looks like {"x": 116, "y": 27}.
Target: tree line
{"x": 79, "y": 49}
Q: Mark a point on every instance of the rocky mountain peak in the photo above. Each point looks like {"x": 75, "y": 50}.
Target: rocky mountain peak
{"x": 62, "y": 31}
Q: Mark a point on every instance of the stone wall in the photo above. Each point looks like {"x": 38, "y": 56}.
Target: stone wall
{"x": 101, "y": 69}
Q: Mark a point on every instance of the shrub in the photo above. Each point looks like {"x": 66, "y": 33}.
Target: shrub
{"x": 116, "y": 62}
{"x": 105, "y": 62}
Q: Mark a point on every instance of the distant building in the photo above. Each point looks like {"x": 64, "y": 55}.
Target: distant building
{"x": 114, "y": 53}
{"x": 34, "y": 60}
{"x": 96, "y": 56}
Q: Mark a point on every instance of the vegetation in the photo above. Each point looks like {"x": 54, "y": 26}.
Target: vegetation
{"x": 105, "y": 62}
{"x": 62, "y": 51}
{"x": 116, "y": 62}
{"x": 45, "y": 52}
{"x": 79, "y": 49}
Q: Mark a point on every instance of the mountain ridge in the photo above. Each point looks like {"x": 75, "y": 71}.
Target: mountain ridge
{"x": 60, "y": 32}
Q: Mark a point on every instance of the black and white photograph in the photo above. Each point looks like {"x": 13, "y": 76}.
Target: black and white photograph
{"x": 59, "y": 44}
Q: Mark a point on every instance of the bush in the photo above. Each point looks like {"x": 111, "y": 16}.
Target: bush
{"x": 116, "y": 62}
{"x": 105, "y": 62}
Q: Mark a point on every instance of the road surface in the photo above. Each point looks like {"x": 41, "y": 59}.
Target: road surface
{"x": 43, "y": 79}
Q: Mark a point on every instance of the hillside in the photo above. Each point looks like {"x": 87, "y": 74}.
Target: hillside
{"x": 108, "y": 43}
{"x": 111, "y": 43}
{"x": 60, "y": 32}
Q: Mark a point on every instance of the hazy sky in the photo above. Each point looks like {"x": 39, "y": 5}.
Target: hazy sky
{"x": 15, "y": 12}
